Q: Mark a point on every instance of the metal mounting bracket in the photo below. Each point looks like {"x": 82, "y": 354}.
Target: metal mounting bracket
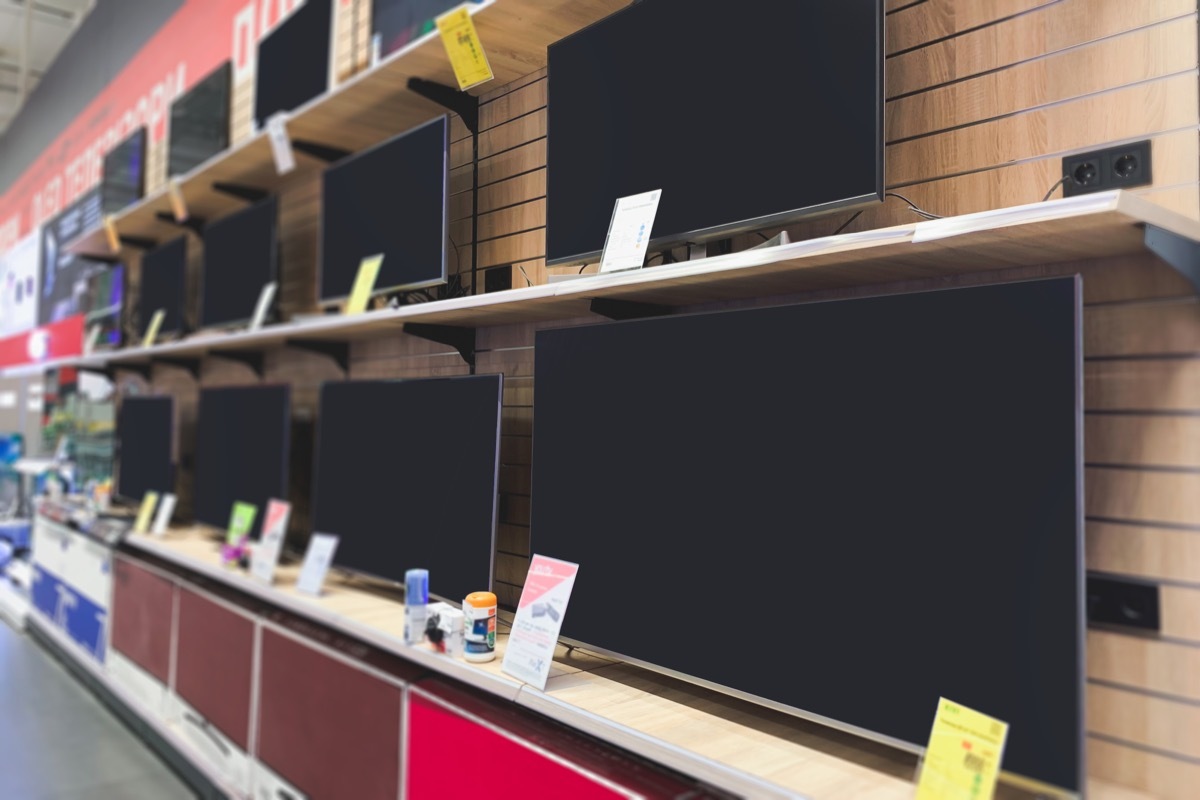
{"x": 319, "y": 151}
{"x": 193, "y": 224}
{"x": 1181, "y": 253}
{"x": 338, "y": 352}
{"x": 628, "y": 309}
{"x": 461, "y": 339}
{"x": 250, "y": 194}
{"x": 138, "y": 242}
{"x": 461, "y": 103}
{"x": 254, "y": 359}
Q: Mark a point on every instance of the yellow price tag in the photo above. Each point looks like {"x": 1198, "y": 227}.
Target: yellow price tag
{"x": 149, "y": 501}
{"x": 178, "y": 205}
{"x": 110, "y": 232}
{"x": 152, "y": 329}
{"x": 462, "y": 44}
{"x": 964, "y": 755}
{"x": 364, "y": 284}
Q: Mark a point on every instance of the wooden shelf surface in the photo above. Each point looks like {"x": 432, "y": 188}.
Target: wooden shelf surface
{"x": 1075, "y": 229}
{"x": 362, "y": 111}
{"x": 738, "y": 746}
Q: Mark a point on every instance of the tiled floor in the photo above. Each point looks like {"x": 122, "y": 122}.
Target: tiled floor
{"x": 57, "y": 742}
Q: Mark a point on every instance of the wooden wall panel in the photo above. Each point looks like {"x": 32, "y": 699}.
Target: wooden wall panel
{"x": 1149, "y": 721}
{"x": 1144, "y": 551}
{"x": 1163, "y": 777}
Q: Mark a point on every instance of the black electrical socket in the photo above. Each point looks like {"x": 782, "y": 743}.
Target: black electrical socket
{"x": 1123, "y": 601}
{"x": 1121, "y": 167}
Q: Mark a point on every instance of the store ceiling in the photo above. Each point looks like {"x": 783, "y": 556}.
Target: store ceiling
{"x": 32, "y": 34}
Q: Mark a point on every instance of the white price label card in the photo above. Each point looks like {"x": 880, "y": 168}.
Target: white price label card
{"x": 265, "y": 556}
{"x": 530, "y": 649}
{"x": 281, "y": 145}
{"x": 629, "y": 231}
{"x": 93, "y": 336}
{"x": 317, "y": 562}
{"x": 166, "y": 507}
{"x": 264, "y": 305}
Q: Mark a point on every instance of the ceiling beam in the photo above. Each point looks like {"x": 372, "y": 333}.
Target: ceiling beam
{"x": 50, "y": 13}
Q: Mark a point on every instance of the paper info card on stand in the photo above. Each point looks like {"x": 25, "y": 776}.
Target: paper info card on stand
{"x": 543, "y": 605}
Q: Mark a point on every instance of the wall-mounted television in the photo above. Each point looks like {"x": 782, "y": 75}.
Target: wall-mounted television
{"x": 242, "y": 451}
{"x": 241, "y": 255}
{"x": 145, "y": 461}
{"x": 633, "y": 107}
{"x": 403, "y": 490}
{"x": 164, "y": 286}
{"x": 392, "y": 200}
{"x": 106, "y": 305}
{"x": 293, "y": 61}
{"x": 123, "y": 180}
{"x": 878, "y": 491}
{"x": 200, "y": 118}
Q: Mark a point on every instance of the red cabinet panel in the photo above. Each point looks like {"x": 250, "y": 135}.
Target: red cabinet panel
{"x": 142, "y": 607}
{"x": 330, "y": 729}
{"x": 451, "y": 756}
{"x": 214, "y": 664}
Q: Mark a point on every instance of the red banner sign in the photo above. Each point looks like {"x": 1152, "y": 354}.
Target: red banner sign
{"x": 58, "y": 340}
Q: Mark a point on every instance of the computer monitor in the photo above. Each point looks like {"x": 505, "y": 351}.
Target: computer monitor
{"x": 145, "y": 447}
{"x": 293, "y": 61}
{"x": 123, "y": 180}
{"x": 241, "y": 255}
{"x": 395, "y": 23}
{"x": 163, "y": 286}
{"x": 390, "y": 200}
{"x": 199, "y": 126}
{"x": 405, "y": 474}
{"x": 883, "y": 489}
{"x": 242, "y": 451}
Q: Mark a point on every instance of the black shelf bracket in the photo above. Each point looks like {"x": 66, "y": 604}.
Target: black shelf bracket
{"x": 138, "y": 242}
{"x": 1180, "y": 252}
{"x": 319, "y": 151}
{"x": 250, "y": 194}
{"x": 461, "y": 339}
{"x": 461, "y": 103}
{"x": 253, "y": 359}
{"x": 338, "y": 352}
{"x": 628, "y": 309}
{"x": 193, "y": 224}
{"x": 192, "y": 365}
{"x": 145, "y": 370}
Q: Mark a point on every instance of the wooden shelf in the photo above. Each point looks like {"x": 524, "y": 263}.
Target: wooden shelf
{"x": 363, "y": 111}
{"x": 1089, "y": 227}
{"x": 740, "y": 747}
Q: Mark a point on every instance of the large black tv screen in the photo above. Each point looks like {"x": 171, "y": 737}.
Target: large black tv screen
{"x": 879, "y": 500}
{"x": 293, "y": 61}
{"x": 123, "y": 179}
{"x": 240, "y": 258}
{"x": 145, "y": 427}
{"x": 242, "y": 451}
{"x": 390, "y": 200}
{"x": 405, "y": 473}
{"x": 164, "y": 286}
{"x": 744, "y": 116}
{"x": 200, "y": 122}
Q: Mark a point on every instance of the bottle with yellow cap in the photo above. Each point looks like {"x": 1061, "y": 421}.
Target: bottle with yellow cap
{"x": 479, "y": 610}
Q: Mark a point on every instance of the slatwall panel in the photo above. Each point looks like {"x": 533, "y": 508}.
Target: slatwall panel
{"x": 984, "y": 99}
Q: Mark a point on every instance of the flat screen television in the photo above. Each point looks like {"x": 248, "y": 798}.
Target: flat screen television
{"x": 123, "y": 180}
{"x": 241, "y": 255}
{"x": 242, "y": 451}
{"x": 200, "y": 122}
{"x": 389, "y": 200}
{"x": 107, "y": 303}
{"x": 293, "y": 61}
{"x": 405, "y": 472}
{"x": 164, "y": 286}
{"x": 876, "y": 491}
{"x": 395, "y": 23}
{"x": 145, "y": 461}
{"x": 797, "y": 131}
